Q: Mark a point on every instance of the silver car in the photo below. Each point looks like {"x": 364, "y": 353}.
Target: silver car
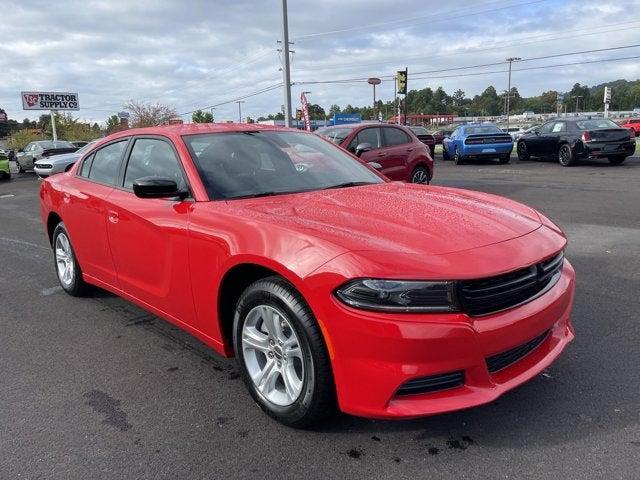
{"x": 41, "y": 149}
{"x": 60, "y": 163}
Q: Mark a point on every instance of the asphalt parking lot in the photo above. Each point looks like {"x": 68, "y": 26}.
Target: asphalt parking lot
{"x": 97, "y": 388}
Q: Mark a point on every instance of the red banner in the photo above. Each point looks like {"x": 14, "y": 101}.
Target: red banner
{"x": 305, "y": 112}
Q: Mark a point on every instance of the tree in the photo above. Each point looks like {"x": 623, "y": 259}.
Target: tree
{"x": 113, "y": 124}
{"x": 316, "y": 112}
{"x": 202, "y": 117}
{"x": 333, "y": 109}
{"x": 148, "y": 114}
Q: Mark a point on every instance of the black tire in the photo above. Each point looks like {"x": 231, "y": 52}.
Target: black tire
{"x": 505, "y": 159}
{"x": 20, "y": 169}
{"x": 445, "y": 154}
{"x": 565, "y": 156}
{"x": 617, "y": 160}
{"x": 523, "y": 152}
{"x": 420, "y": 175}
{"x": 68, "y": 167}
{"x": 77, "y": 287}
{"x": 317, "y": 398}
{"x": 457, "y": 158}
{"x": 4, "y": 175}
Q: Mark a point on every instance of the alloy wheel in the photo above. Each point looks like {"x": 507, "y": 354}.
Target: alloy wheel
{"x": 273, "y": 355}
{"x": 64, "y": 260}
{"x": 420, "y": 176}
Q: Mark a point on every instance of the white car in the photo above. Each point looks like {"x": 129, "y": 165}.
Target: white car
{"x": 59, "y": 163}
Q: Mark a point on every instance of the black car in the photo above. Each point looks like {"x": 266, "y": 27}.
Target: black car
{"x": 571, "y": 139}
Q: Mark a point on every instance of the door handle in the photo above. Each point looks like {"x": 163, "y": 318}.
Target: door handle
{"x": 112, "y": 216}
{"x": 381, "y": 154}
{"x": 410, "y": 149}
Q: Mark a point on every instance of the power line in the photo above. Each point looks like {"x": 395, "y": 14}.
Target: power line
{"x": 493, "y": 47}
{"x": 412, "y": 20}
{"x": 242, "y": 97}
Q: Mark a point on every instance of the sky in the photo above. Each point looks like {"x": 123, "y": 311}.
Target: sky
{"x": 193, "y": 54}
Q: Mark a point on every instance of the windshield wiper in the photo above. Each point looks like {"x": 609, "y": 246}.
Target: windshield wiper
{"x": 349, "y": 184}
{"x": 256, "y": 195}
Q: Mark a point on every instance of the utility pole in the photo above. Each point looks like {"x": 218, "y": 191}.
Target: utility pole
{"x": 239, "y": 102}
{"x": 510, "y": 60}
{"x": 53, "y": 126}
{"x": 577, "y": 97}
{"x": 286, "y": 74}
{"x": 212, "y": 117}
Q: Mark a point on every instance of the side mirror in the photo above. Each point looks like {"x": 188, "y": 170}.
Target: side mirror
{"x": 361, "y": 148}
{"x": 375, "y": 165}
{"x": 157, "y": 187}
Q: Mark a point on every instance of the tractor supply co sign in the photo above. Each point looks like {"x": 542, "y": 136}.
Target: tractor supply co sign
{"x": 50, "y": 101}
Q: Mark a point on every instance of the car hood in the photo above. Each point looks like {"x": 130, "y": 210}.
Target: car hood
{"x": 63, "y": 158}
{"x": 395, "y": 217}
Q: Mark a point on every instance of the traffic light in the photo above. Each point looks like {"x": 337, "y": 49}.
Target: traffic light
{"x": 298, "y": 114}
{"x": 402, "y": 82}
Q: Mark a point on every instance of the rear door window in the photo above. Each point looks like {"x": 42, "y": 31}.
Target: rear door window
{"x": 105, "y": 167}
{"x": 370, "y": 136}
{"x": 394, "y": 136}
{"x": 559, "y": 127}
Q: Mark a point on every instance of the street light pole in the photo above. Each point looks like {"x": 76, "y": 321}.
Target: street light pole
{"x": 286, "y": 74}
{"x": 239, "y": 102}
{"x": 510, "y": 60}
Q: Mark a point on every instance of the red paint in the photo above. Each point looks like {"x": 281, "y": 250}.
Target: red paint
{"x": 170, "y": 258}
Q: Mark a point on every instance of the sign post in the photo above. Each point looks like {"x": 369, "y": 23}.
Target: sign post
{"x": 51, "y": 101}
{"x": 607, "y": 101}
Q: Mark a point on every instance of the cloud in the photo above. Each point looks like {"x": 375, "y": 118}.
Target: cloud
{"x": 194, "y": 53}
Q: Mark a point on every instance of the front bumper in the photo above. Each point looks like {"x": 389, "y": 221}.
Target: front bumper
{"x": 374, "y": 354}
{"x": 42, "y": 172}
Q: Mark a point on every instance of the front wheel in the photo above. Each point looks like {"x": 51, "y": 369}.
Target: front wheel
{"x": 565, "y": 156}
{"x": 617, "y": 160}
{"x": 283, "y": 359}
{"x": 67, "y": 267}
{"x": 20, "y": 169}
{"x": 420, "y": 175}
{"x": 523, "y": 153}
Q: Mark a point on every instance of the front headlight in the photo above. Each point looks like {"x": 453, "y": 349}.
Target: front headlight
{"x": 400, "y": 295}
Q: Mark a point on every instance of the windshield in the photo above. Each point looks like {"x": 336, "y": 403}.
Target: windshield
{"x": 245, "y": 164}
{"x": 595, "y": 124}
{"x": 86, "y": 147}
{"x": 482, "y": 129}
{"x": 336, "y": 135}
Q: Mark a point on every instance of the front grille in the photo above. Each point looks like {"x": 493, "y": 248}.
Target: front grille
{"x": 43, "y": 165}
{"x": 494, "y": 294}
{"x": 504, "y": 359}
{"x": 432, "y": 383}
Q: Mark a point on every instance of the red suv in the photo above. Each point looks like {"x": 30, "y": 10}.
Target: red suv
{"x": 392, "y": 149}
{"x": 633, "y": 124}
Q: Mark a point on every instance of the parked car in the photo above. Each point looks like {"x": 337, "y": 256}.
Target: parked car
{"x": 60, "y": 163}
{"x": 633, "y": 124}
{"x": 515, "y": 132}
{"x": 392, "y": 149}
{"x": 41, "y": 149}
{"x": 5, "y": 172}
{"x": 440, "y": 135}
{"x": 425, "y": 137}
{"x": 571, "y": 139}
{"x": 474, "y": 140}
{"x": 330, "y": 284}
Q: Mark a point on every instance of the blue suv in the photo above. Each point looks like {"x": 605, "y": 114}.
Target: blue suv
{"x": 477, "y": 140}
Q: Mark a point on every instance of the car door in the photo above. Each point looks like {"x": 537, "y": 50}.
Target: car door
{"x": 148, "y": 236}
{"x": 536, "y": 142}
{"x": 85, "y": 212}
{"x": 397, "y": 146}
{"x": 554, "y": 137}
{"x": 26, "y": 160}
{"x": 373, "y": 137}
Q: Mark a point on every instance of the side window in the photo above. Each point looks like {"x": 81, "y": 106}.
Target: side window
{"x": 106, "y": 163}
{"x": 370, "y": 136}
{"x": 394, "y": 136}
{"x": 153, "y": 158}
{"x": 559, "y": 127}
{"x": 86, "y": 166}
{"x": 546, "y": 128}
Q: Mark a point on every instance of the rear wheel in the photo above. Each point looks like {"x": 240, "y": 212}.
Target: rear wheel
{"x": 617, "y": 160}
{"x": 523, "y": 153}
{"x": 67, "y": 268}
{"x": 565, "y": 156}
{"x": 283, "y": 359}
{"x": 420, "y": 175}
{"x": 457, "y": 158}
{"x": 20, "y": 169}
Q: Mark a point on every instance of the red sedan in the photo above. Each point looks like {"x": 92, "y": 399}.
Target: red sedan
{"x": 394, "y": 150}
{"x": 330, "y": 284}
